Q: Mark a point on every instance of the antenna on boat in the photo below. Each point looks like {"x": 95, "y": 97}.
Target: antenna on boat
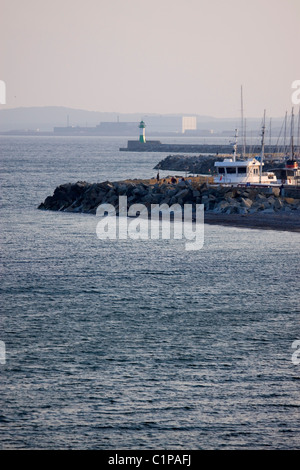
{"x": 262, "y": 145}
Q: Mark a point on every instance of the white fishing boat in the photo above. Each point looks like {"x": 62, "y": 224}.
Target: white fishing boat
{"x": 231, "y": 172}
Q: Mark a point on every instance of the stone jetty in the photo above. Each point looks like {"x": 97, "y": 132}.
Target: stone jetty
{"x": 157, "y": 146}
{"x": 199, "y": 164}
{"x": 220, "y": 203}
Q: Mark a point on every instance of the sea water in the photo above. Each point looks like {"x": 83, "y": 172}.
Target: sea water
{"x": 138, "y": 344}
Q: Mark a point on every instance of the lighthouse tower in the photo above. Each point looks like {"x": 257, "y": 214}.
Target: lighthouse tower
{"x": 142, "y": 132}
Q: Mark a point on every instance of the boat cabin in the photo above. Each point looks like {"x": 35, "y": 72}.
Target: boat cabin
{"x": 290, "y": 174}
{"x": 233, "y": 172}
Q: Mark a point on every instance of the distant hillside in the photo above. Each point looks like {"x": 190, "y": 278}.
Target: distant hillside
{"x": 46, "y": 118}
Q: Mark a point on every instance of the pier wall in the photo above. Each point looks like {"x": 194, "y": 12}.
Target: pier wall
{"x": 157, "y": 146}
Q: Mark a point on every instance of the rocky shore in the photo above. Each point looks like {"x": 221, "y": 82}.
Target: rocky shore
{"x": 243, "y": 207}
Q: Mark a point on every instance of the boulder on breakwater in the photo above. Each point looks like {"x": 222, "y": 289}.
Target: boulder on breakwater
{"x": 86, "y": 197}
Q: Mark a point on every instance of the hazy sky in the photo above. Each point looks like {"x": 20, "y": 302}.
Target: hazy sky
{"x": 155, "y": 56}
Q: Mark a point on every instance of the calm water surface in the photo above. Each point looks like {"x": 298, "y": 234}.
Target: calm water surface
{"x": 138, "y": 344}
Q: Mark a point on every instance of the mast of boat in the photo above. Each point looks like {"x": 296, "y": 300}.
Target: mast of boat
{"x": 235, "y": 145}
{"x": 262, "y": 146}
{"x": 298, "y": 133}
{"x": 251, "y": 144}
{"x": 292, "y": 152}
{"x": 242, "y": 125}
{"x": 245, "y": 133}
{"x": 284, "y": 139}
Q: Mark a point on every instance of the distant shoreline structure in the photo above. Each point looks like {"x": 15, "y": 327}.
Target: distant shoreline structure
{"x": 215, "y": 149}
{"x": 63, "y": 121}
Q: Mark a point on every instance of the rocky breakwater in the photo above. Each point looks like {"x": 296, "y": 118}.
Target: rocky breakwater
{"x": 247, "y": 201}
{"x": 202, "y": 164}
{"x": 86, "y": 197}
{"x": 260, "y": 208}
{"x": 222, "y": 205}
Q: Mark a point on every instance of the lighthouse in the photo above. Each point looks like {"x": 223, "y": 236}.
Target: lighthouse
{"x": 142, "y": 138}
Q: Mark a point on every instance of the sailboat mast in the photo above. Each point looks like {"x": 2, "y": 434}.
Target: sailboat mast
{"x": 235, "y": 145}
{"x": 298, "y": 133}
{"x": 245, "y": 133}
{"x": 292, "y": 136}
{"x": 242, "y": 124}
{"x": 262, "y": 146}
{"x": 284, "y": 139}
